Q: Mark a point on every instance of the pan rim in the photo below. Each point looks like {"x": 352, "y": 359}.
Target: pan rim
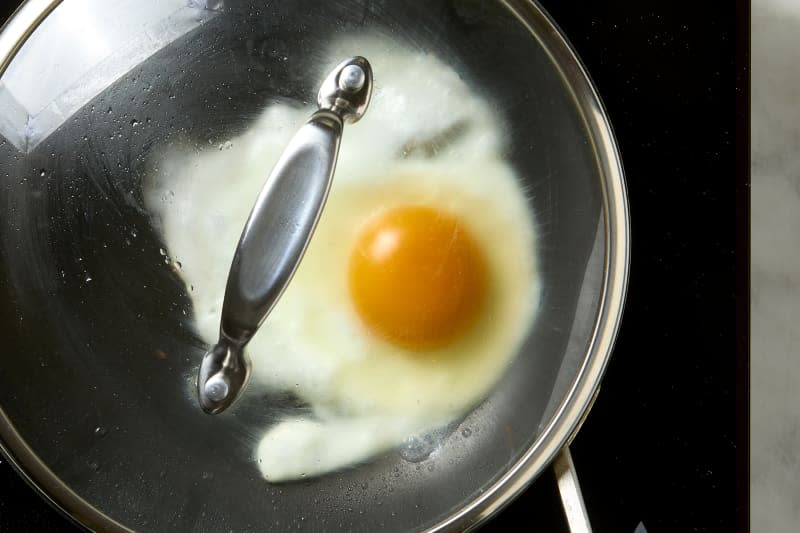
{"x": 571, "y": 412}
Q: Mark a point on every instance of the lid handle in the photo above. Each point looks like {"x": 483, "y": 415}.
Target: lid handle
{"x": 279, "y": 229}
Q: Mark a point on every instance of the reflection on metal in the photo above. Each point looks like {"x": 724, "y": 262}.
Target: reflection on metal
{"x": 80, "y": 49}
{"x": 570, "y": 490}
{"x": 588, "y": 298}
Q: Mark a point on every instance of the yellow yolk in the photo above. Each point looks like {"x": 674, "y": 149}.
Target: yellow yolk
{"x": 417, "y": 277}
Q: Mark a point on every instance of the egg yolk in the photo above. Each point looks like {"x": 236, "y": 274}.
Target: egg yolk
{"x": 417, "y": 277}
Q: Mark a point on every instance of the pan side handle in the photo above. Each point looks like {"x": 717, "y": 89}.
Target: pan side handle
{"x": 570, "y": 491}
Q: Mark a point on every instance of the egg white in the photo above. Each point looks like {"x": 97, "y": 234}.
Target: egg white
{"x": 367, "y": 394}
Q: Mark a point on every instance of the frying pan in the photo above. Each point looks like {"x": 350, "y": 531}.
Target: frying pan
{"x": 99, "y": 340}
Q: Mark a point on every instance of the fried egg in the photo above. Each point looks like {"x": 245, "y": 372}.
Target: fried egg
{"x": 418, "y": 285}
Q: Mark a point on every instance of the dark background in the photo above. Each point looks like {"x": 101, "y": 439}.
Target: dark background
{"x": 666, "y": 443}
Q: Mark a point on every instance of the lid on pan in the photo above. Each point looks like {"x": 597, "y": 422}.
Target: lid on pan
{"x": 134, "y": 141}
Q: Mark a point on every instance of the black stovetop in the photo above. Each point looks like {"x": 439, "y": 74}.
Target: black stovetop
{"x": 666, "y": 442}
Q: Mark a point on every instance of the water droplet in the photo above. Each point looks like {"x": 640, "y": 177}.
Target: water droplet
{"x": 417, "y": 449}
{"x": 134, "y": 123}
{"x": 162, "y": 251}
{"x": 42, "y": 173}
{"x": 88, "y": 278}
{"x": 100, "y": 431}
{"x": 466, "y": 433}
{"x": 178, "y": 265}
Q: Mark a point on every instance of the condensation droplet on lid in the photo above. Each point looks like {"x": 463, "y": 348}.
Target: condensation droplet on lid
{"x": 88, "y": 278}
{"x": 417, "y": 449}
{"x": 162, "y": 251}
{"x": 466, "y": 433}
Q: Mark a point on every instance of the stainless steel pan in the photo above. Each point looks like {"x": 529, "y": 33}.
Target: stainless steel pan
{"x": 94, "y": 416}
